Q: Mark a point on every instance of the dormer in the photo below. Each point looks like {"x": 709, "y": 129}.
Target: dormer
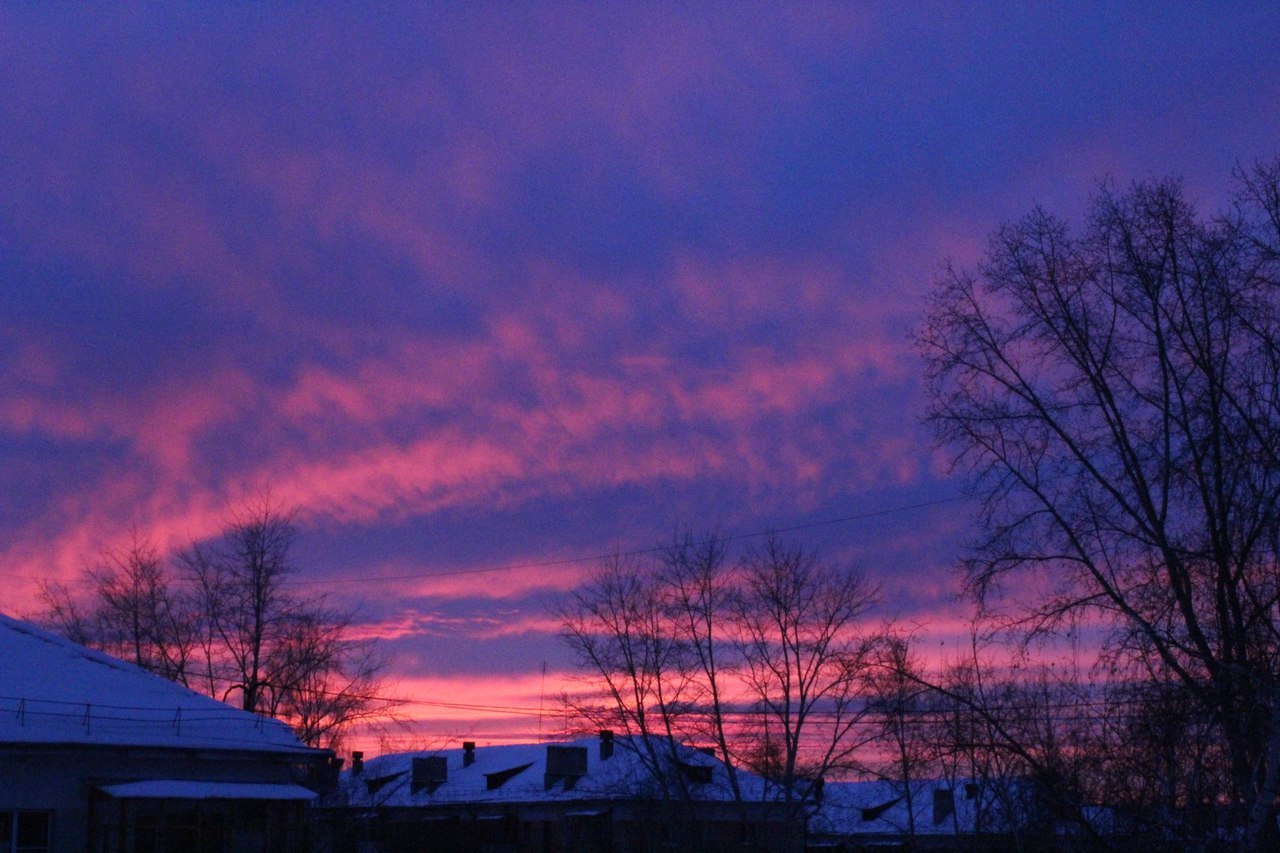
{"x": 429, "y": 773}
{"x": 565, "y": 764}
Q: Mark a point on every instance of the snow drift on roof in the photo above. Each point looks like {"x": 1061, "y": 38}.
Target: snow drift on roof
{"x": 54, "y": 691}
{"x": 180, "y": 789}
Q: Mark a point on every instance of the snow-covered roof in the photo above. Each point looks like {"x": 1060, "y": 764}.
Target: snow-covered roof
{"x": 943, "y": 807}
{"x": 183, "y": 789}
{"x": 54, "y": 691}
{"x": 519, "y": 773}
{"x": 939, "y": 807}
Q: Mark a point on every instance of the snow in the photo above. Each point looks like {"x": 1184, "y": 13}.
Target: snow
{"x": 54, "y": 691}
{"x": 174, "y": 789}
{"x": 622, "y": 776}
{"x": 975, "y": 808}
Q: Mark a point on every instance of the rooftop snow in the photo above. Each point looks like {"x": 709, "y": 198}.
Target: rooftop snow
{"x": 624, "y": 775}
{"x": 180, "y": 789}
{"x": 54, "y": 691}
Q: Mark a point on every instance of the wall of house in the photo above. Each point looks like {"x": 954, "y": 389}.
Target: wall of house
{"x": 568, "y": 826}
{"x": 63, "y": 779}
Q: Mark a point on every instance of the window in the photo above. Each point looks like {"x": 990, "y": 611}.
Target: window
{"x": 177, "y": 825}
{"x": 24, "y": 832}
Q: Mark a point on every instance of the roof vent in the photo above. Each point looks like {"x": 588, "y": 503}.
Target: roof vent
{"x": 429, "y": 773}
{"x": 565, "y": 764}
{"x": 357, "y": 763}
{"x": 378, "y": 783}
{"x": 494, "y": 781}
{"x": 874, "y": 812}
{"x": 698, "y": 774}
{"x": 468, "y": 753}
{"x": 606, "y": 744}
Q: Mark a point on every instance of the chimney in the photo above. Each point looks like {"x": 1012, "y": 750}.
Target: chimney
{"x": 357, "y": 763}
{"x": 468, "y": 753}
{"x": 944, "y": 804}
{"x": 328, "y": 773}
{"x": 606, "y": 744}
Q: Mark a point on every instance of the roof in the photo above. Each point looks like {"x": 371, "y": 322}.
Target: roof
{"x": 945, "y": 807}
{"x": 181, "y": 789}
{"x": 519, "y": 773}
{"x": 54, "y": 691}
{"x": 939, "y": 807}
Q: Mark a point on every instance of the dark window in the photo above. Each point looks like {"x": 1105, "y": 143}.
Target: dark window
{"x": 24, "y": 832}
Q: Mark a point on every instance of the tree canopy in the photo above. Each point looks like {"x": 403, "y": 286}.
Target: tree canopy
{"x": 1114, "y": 395}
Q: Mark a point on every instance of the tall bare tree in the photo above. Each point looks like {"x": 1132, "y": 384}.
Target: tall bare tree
{"x": 898, "y": 702}
{"x": 1115, "y": 396}
{"x": 698, "y": 597}
{"x": 804, "y": 659}
{"x": 618, "y": 628}
{"x": 239, "y": 579}
{"x": 764, "y": 656}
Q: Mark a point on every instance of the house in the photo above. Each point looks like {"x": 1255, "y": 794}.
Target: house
{"x": 626, "y": 795}
{"x": 946, "y": 814}
{"x": 98, "y": 755}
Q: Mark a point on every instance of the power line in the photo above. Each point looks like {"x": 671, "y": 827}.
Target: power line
{"x": 590, "y": 558}
{"x": 635, "y": 552}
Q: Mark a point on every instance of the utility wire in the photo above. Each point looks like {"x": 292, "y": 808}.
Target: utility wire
{"x": 1071, "y": 710}
{"x": 636, "y": 552}
{"x": 590, "y": 558}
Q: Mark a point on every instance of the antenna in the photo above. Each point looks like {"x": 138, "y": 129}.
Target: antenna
{"x": 542, "y": 695}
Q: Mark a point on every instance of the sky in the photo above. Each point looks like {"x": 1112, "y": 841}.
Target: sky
{"x": 485, "y": 291}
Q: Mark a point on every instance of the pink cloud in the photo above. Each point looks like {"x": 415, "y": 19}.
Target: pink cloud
{"x": 423, "y": 622}
{"x": 497, "y": 443}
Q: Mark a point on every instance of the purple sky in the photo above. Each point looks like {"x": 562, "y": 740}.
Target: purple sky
{"x": 494, "y": 285}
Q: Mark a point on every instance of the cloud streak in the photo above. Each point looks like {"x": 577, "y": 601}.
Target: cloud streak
{"x": 485, "y": 287}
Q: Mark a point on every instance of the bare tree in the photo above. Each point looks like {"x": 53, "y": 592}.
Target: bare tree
{"x": 1116, "y": 398}
{"x": 134, "y": 612}
{"x": 1164, "y": 764}
{"x": 898, "y": 702}
{"x": 227, "y": 623}
{"x": 148, "y": 621}
{"x": 65, "y": 613}
{"x": 698, "y": 596}
{"x": 645, "y": 684}
{"x": 763, "y": 656}
{"x": 1023, "y": 739}
{"x": 804, "y": 661}
{"x": 277, "y": 652}
{"x": 239, "y": 581}
{"x": 325, "y": 681}
{"x": 617, "y": 626}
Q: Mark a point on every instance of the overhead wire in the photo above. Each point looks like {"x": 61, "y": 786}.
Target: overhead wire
{"x": 634, "y": 552}
{"x": 294, "y": 580}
